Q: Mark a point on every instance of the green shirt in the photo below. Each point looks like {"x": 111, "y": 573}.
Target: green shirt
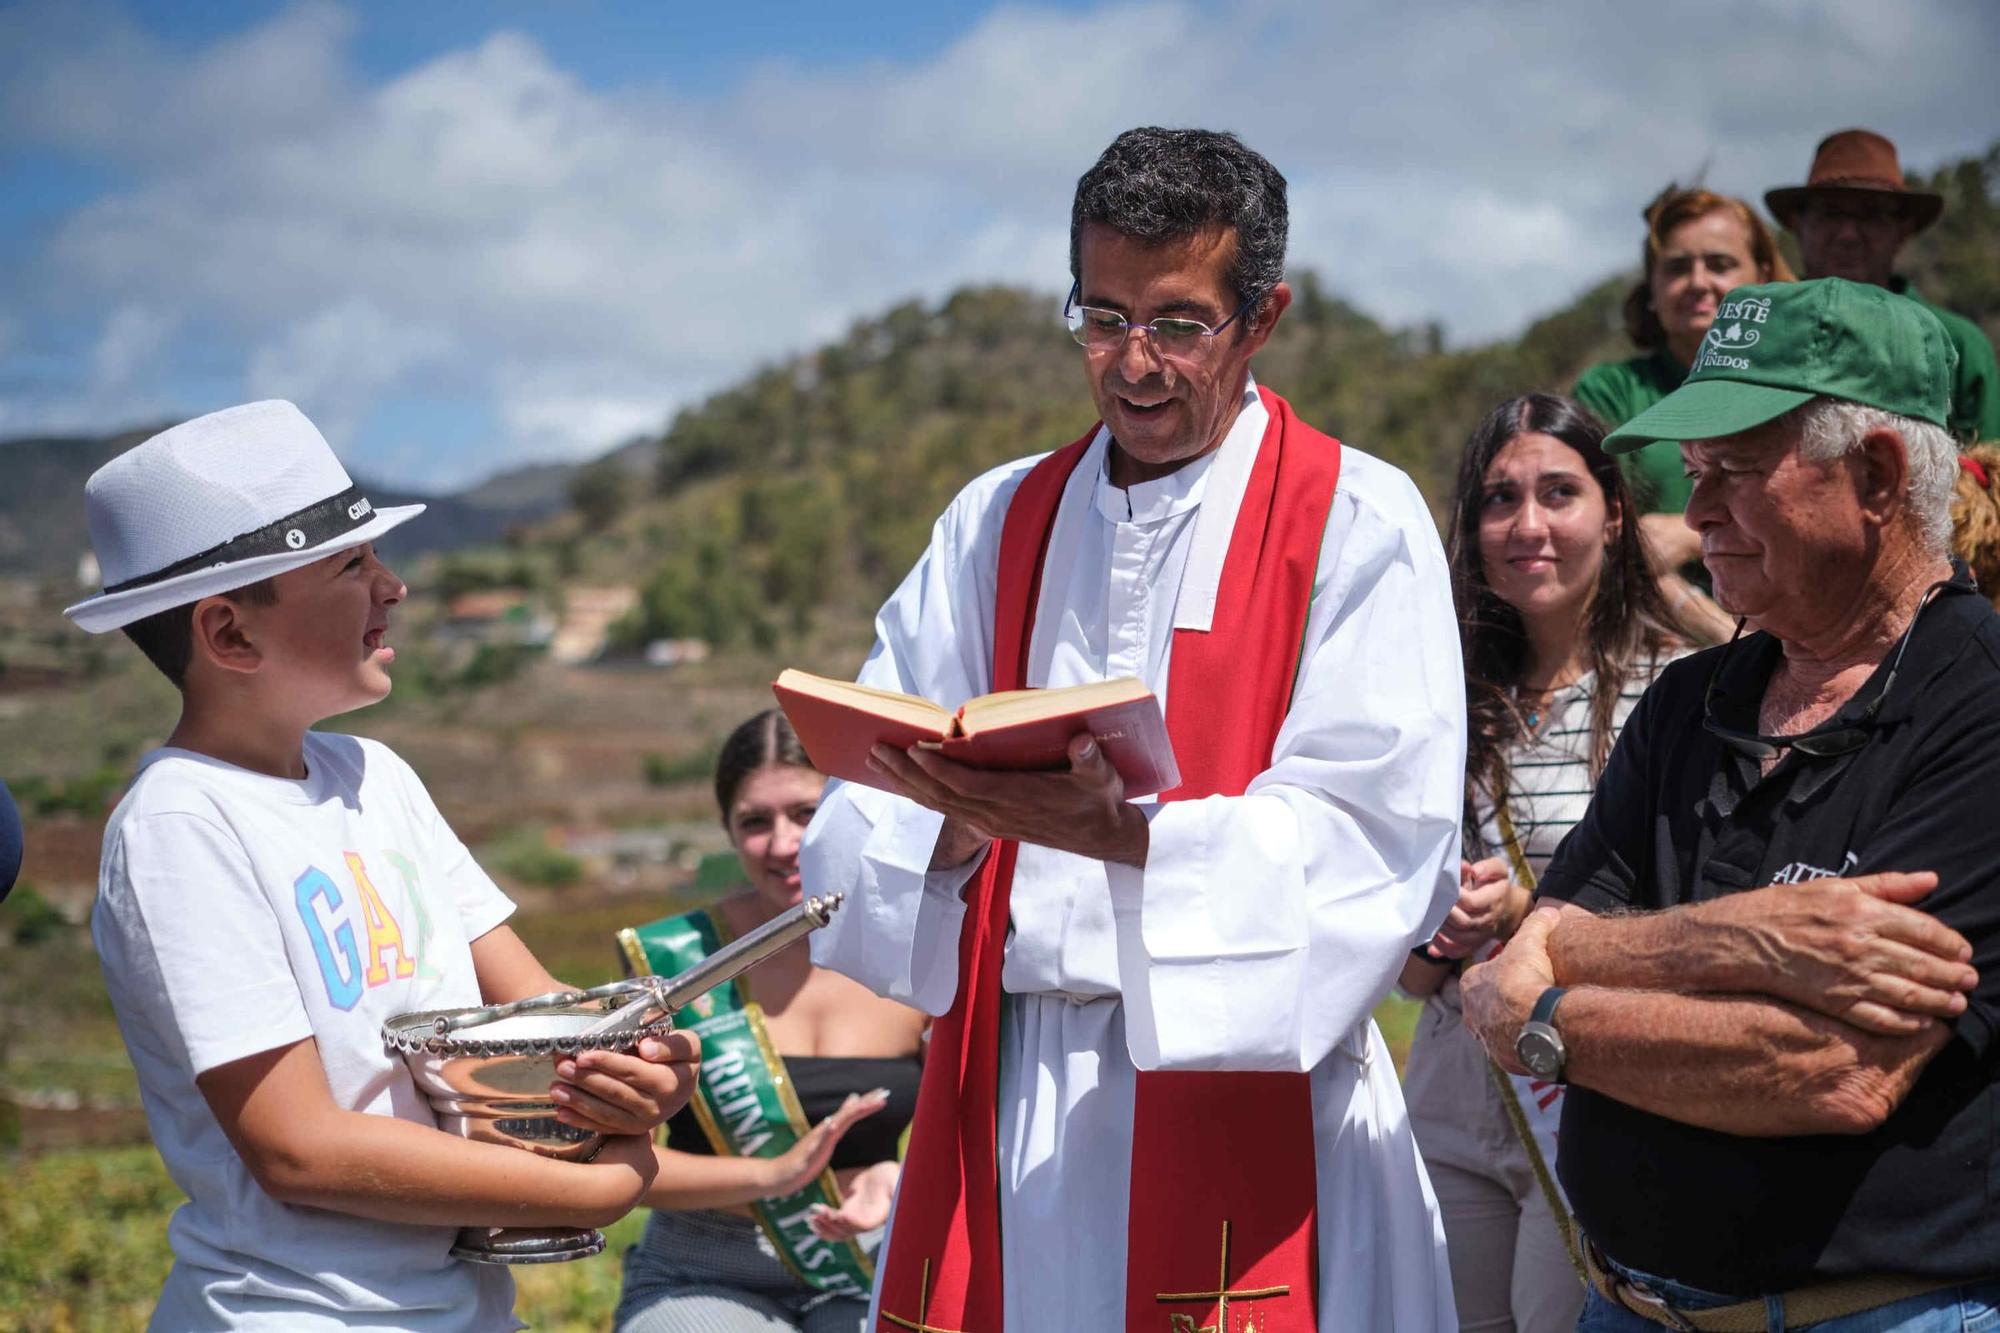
{"x": 1617, "y": 391}
{"x": 1975, "y": 389}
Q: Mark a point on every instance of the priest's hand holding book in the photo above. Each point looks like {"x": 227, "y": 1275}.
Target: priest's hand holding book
{"x": 1051, "y": 767}
{"x": 1083, "y": 810}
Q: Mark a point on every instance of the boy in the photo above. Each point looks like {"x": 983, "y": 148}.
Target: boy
{"x": 269, "y": 895}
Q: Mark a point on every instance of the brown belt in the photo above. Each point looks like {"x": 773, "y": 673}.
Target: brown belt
{"x": 1807, "y": 1305}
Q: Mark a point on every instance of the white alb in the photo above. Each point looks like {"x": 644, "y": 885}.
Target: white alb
{"x": 1265, "y": 927}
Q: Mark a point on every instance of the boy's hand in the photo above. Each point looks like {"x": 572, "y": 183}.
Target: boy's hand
{"x": 635, "y": 1164}
{"x": 612, "y": 1093}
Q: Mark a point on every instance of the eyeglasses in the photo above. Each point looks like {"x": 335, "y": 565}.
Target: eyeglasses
{"x": 1098, "y": 330}
{"x": 1820, "y": 742}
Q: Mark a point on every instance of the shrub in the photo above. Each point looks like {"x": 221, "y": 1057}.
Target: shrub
{"x": 32, "y": 917}
{"x": 527, "y": 856}
{"x": 660, "y": 771}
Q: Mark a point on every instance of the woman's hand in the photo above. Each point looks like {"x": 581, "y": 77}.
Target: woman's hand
{"x": 865, "y": 1208}
{"x": 612, "y": 1093}
{"x": 1489, "y": 907}
{"x": 1669, "y": 542}
{"x": 801, "y": 1164}
{"x": 1696, "y": 611}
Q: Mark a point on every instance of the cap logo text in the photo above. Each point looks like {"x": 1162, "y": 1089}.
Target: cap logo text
{"x": 360, "y": 507}
{"x": 1734, "y": 330}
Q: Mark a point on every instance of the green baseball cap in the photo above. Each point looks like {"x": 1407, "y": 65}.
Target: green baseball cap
{"x": 1779, "y": 344}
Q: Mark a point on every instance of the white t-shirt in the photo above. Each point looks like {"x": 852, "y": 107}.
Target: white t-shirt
{"x": 237, "y": 913}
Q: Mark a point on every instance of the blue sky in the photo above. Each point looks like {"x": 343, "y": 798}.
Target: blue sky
{"x": 466, "y": 236}
{"x": 692, "y": 48}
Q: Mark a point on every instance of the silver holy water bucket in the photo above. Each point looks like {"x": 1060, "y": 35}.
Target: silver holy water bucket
{"x": 486, "y": 1071}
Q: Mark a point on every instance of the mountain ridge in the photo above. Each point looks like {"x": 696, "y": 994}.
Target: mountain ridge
{"x": 43, "y": 531}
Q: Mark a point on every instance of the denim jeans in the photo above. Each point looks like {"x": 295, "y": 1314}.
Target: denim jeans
{"x": 1969, "y": 1309}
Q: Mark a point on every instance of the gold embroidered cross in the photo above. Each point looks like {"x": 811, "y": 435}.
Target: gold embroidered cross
{"x": 1221, "y": 1296}
{"x": 923, "y": 1308}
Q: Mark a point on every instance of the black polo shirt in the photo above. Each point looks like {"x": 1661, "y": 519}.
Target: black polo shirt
{"x": 1678, "y": 818}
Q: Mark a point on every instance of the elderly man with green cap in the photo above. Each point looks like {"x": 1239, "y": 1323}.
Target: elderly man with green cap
{"x": 1767, "y": 962}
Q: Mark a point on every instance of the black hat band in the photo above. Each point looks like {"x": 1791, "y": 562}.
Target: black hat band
{"x": 312, "y": 526}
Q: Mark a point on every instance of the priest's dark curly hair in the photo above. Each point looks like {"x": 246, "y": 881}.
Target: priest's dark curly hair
{"x": 1628, "y": 620}
{"x": 1157, "y": 186}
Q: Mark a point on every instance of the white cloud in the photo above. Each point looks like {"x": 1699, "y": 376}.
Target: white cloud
{"x": 577, "y": 423}
{"x": 581, "y": 262}
{"x": 337, "y": 359}
{"x": 129, "y": 347}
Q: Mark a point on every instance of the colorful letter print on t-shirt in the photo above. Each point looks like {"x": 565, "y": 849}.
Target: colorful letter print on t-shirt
{"x": 391, "y": 954}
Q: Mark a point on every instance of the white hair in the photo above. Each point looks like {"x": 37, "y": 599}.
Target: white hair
{"x": 1831, "y": 428}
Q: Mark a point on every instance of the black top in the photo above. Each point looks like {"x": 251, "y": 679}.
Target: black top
{"x": 823, "y": 1082}
{"x": 1679, "y": 817}
{"x": 10, "y": 841}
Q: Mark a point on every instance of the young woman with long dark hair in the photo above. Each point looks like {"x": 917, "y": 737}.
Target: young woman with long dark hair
{"x": 1562, "y": 626}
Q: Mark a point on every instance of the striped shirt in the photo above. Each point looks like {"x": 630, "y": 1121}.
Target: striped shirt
{"x": 1548, "y": 772}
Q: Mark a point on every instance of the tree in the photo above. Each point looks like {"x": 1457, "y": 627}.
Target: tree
{"x": 601, "y": 491}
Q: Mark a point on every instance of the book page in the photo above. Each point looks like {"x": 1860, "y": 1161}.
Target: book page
{"x": 1010, "y": 707}
{"x": 906, "y": 708}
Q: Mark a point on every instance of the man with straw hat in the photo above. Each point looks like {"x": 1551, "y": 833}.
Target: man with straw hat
{"x": 1767, "y": 961}
{"x": 1851, "y": 218}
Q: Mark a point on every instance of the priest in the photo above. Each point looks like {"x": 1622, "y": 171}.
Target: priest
{"x": 1154, "y": 1098}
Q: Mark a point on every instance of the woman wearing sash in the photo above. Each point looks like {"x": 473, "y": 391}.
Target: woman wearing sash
{"x": 759, "y": 1221}
{"x": 1563, "y": 628}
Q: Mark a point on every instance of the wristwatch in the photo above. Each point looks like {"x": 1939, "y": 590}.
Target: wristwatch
{"x": 1540, "y": 1047}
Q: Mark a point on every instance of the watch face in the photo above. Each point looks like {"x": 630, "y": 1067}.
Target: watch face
{"x": 1540, "y": 1050}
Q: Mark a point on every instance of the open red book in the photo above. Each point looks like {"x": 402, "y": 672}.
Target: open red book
{"x": 838, "y": 721}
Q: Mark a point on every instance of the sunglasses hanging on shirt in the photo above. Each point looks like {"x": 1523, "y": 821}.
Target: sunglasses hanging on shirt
{"x": 1838, "y": 737}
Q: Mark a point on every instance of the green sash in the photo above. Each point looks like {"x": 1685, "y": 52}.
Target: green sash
{"x": 745, "y": 1102}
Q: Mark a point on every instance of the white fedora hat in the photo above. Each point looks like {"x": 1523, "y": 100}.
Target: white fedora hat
{"x": 217, "y": 503}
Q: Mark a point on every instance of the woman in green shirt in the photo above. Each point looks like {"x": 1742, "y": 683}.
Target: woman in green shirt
{"x": 1699, "y": 246}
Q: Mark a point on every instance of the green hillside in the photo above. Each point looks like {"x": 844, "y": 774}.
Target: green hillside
{"x": 797, "y": 499}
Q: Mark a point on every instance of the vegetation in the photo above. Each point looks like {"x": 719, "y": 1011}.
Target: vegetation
{"x": 31, "y": 918}
{"x": 1957, "y": 262}
{"x": 90, "y": 1239}
{"x": 600, "y": 491}
{"x": 800, "y": 497}
{"x": 661, "y": 771}
{"x": 526, "y": 855}
{"x": 89, "y": 795}
{"x": 99, "y": 1250}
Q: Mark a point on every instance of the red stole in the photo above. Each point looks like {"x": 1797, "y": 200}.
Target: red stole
{"x": 1222, "y": 1187}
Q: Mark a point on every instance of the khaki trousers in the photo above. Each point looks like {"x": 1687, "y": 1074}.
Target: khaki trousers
{"x": 1509, "y": 1271}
